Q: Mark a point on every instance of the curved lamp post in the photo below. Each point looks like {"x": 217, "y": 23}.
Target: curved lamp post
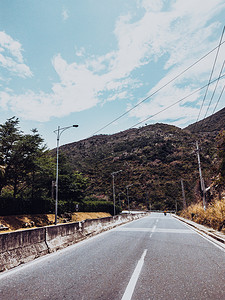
{"x": 58, "y": 132}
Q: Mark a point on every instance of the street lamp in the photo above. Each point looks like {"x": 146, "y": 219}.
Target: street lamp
{"x": 128, "y": 196}
{"x": 114, "y": 198}
{"x": 58, "y": 132}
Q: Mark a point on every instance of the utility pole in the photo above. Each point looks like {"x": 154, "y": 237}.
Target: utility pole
{"x": 119, "y": 200}
{"x": 128, "y": 200}
{"x": 201, "y": 178}
{"x": 147, "y": 206}
{"x": 148, "y": 201}
{"x": 176, "y": 205}
{"x": 114, "y": 197}
{"x": 183, "y": 193}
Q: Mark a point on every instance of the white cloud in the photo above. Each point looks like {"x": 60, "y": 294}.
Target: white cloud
{"x": 173, "y": 33}
{"x": 80, "y": 52}
{"x": 65, "y": 14}
{"x": 122, "y": 95}
{"x": 155, "y": 5}
{"x": 177, "y": 33}
{"x": 167, "y": 98}
{"x": 11, "y": 56}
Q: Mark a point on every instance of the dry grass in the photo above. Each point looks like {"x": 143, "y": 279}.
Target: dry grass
{"x": 80, "y": 216}
{"x": 214, "y": 216}
{"x": 25, "y": 221}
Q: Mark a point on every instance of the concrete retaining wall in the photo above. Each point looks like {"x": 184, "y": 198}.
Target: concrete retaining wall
{"x": 19, "y": 247}
{"x": 63, "y": 235}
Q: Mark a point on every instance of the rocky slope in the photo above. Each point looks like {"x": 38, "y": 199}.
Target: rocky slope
{"x": 153, "y": 159}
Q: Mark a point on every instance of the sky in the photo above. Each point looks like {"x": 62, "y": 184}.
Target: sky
{"x": 90, "y": 62}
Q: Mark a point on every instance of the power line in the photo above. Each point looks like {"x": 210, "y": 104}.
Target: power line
{"x": 180, "y": 100}
{"x": 214, "y": 91}
{"x": 217, "y": 53}
{"x": 219, "y": 99}
{"x": 159, "y": 89}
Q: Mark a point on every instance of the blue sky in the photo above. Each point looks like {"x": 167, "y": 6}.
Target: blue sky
{"x": 88, "y": 62}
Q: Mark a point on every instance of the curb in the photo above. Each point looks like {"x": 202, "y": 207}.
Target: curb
{"x": 206, "y": 230}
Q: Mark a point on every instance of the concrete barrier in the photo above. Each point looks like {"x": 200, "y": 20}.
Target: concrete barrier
{"x": 19, "y": 247}
{"x": 63, "y": 235}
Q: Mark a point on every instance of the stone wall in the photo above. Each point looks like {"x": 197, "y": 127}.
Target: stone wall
{"x": 19, "y": 247}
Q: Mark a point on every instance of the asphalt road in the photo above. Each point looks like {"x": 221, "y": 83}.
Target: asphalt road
{"x": 156, "y": 257}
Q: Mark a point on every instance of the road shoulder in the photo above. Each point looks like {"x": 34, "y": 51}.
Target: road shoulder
{"x": 217, "y": 235}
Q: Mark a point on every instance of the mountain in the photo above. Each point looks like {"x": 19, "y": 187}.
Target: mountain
{"x": 214, "y": 123}
{"x": 153, "y": 159}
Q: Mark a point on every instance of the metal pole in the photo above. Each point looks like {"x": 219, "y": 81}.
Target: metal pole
{"x": 53, "y": 189}
{"x": 57, "y": 176}
{"x": 58, "y": 132}
{"x": 114, "y": 197}
{"x": 120, "y": 201}
{"x": 201, "y": 178}
{"x": 183, "y": 193}
{"x": 128, "y": 200}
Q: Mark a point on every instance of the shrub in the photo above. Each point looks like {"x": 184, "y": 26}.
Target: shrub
{"x": 214, "y": 216}
{"x": 99, "y": 206}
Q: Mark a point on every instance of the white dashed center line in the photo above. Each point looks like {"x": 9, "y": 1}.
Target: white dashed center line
{"x": 153, "y": 230}
{"x": 132, "y": 283}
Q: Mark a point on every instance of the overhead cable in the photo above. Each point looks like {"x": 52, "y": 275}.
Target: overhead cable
{"x": 214, "y": 91}
{"x": 159, "y": 89}
{"x": 219, "y": 99}
{"x": 195, "y": 91}
{"x": 215, "y": 60}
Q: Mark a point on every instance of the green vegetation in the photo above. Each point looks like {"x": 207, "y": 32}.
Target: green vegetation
{"x": 153, "y": 160}
{"x": 214, "y": 215}
{"x": 27, "y": 174}
{"x": 96, "y": 206}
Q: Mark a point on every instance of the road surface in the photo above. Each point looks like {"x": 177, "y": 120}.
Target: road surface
{"x": 156, "y": 257}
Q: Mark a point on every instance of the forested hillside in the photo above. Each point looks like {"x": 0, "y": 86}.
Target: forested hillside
{"x": 153, "y": 159}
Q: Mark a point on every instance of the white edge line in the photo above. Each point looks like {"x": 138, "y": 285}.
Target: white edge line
{"x": 134, "y": 278}
{"x": 205, "y": 236}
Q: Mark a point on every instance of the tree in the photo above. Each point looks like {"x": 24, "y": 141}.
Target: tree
{"x": 72, "y": 185}
{"x": 22, "y": 158}
{"x": 27, "y": 170}
{"x": 38, "y": 188}
{"x": 18, "y": 153}
{"x": 9, "y": 137}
